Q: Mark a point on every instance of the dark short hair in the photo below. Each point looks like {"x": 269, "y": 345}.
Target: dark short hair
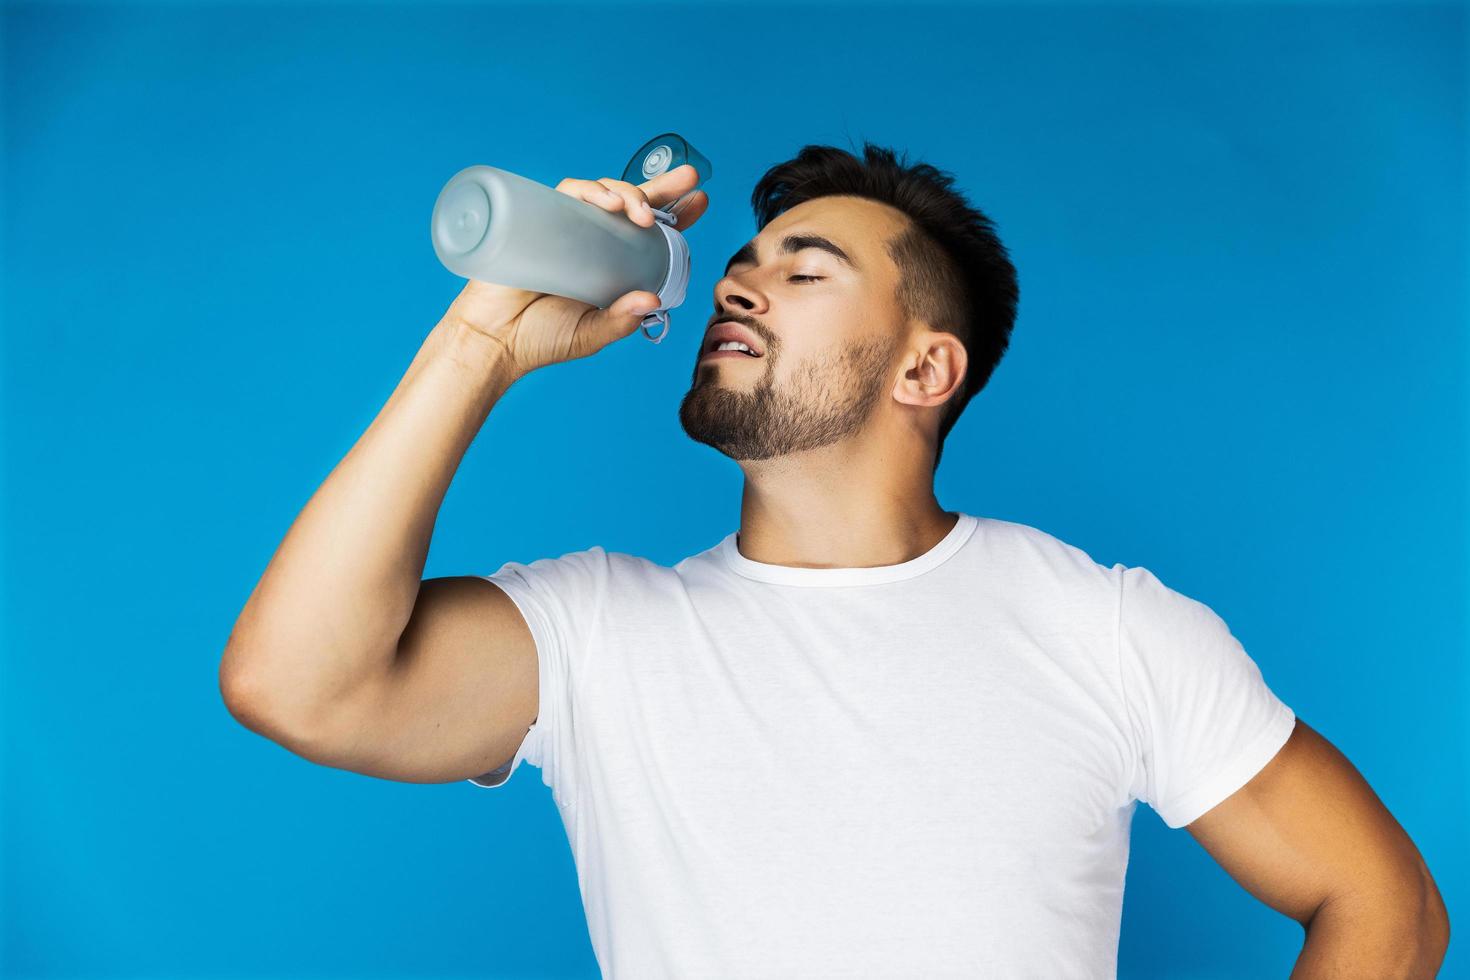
{"x": 954, "y": 273}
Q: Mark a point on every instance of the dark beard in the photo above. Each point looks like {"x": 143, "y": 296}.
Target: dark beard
{"x": 822, "y": 404}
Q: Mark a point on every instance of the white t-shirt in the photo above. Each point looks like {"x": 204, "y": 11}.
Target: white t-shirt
{"x": 926, "y": 769}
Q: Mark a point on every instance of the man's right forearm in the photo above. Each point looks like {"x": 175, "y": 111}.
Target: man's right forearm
{"x": 337, "y": 595}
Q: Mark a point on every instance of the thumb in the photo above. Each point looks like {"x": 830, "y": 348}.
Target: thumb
{"x": 628, "y": 311}
{"x": 600, "y": 327}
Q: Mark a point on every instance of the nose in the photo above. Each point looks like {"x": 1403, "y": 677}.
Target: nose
{"x": 732, "y": 294}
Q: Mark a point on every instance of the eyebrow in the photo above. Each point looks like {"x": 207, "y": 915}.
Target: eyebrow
{"x": 795, "y": 243}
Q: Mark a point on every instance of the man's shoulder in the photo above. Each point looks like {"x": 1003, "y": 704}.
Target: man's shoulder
{"x": 1021, "y": 542}
{"x": 637, "y": 567}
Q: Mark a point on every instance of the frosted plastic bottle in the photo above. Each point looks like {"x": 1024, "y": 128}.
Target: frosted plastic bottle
{"x": 499, "y": 227}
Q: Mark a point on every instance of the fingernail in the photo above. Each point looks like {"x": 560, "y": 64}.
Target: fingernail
{"x": 646, "y": 208}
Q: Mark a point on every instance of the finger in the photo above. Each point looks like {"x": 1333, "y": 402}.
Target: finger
{"x": 633, "y": 200}
{"x": 664, "y": 189}
{"x": 636, "y": 304}
{"x": 670, "y": 185}
{"x": 697, "y": 204}
{"x": 592, "y": 192}
{"x": 606, "y": 197}
{"x": 621, "y": 318}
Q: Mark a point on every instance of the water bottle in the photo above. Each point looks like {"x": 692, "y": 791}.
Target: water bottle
{"x": 499, "y": 227}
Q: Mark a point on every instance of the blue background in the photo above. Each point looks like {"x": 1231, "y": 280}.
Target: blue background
{"x": 1240, "y": 361}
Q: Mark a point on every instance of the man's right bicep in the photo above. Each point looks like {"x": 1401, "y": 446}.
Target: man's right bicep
{"x": 461, "y": 694}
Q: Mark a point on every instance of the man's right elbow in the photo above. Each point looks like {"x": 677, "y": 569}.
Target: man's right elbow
{"x": 243, "y": 697}
{"x": 255, "y": 705}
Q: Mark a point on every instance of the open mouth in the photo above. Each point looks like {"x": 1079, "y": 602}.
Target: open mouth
{"x": 729, "y": 349}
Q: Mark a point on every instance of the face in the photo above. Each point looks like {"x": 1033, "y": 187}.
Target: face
{"x": 828, "y": 331}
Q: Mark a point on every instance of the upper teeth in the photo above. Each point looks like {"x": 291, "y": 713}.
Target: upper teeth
{"x": 734, "y": 345}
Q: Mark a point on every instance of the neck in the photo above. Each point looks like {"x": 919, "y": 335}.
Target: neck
{"x": 841, "y": 506}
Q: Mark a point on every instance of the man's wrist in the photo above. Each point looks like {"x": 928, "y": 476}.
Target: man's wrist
{"x": 476, "y": 351}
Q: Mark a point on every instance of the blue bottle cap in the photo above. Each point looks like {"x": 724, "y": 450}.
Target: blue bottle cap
{"x": 663, "y": 153}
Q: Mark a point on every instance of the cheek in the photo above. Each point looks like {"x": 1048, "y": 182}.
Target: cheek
{"x": 804, "y": 363}
{"x": 818, "y": 335}
{"x": 840, "y": 325}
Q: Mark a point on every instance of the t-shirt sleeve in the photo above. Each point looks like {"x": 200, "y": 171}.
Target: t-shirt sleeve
{"x": 560, "y": 599}
{"x": 1204, "y": 721}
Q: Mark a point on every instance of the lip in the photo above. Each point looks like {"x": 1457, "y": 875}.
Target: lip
{"x": 723, "y": 330}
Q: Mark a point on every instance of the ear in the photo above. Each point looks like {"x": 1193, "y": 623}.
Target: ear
{"x": 934, "y": 369}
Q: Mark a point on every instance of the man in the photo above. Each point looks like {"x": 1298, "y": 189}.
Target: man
{"x": 862, "y": 736}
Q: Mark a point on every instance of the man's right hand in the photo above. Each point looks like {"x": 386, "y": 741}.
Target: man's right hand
{"x": 537, "y": 329}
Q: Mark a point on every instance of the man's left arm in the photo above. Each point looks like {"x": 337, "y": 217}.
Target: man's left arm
{"x": 1308, "y": 836}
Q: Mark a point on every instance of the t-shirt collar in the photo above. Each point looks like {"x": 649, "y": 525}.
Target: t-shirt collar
{"x": 729, "y": 552}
